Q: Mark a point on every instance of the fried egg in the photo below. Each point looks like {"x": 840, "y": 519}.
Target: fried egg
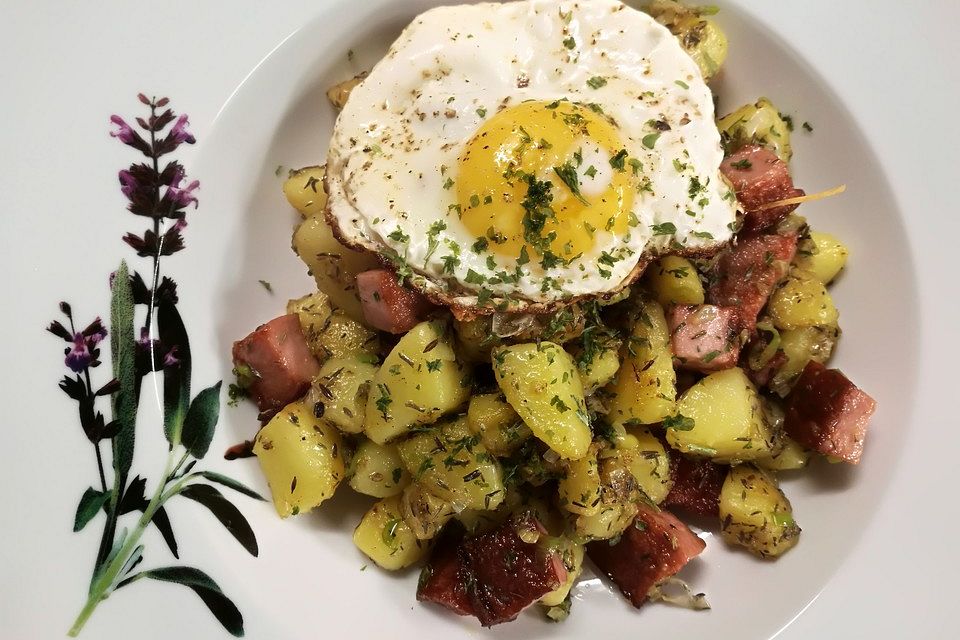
{"x": 519, "y": 155}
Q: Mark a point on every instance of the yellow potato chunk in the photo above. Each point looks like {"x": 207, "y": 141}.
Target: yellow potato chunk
{"x": 721, "y": 417}
{"x": 579, "y": 489}
{"x": 304, "y": 190}
{"x": 598, "y": 366}
{"x": 700, "y": 36}
{"x": 330, "y": 333}
{"x": 333, "y": 266}
{"x": 419, "y": 381}
{"x": 424, "y": 512}
{"x": 822, "y": 255}
{"x": 500, "y": 428}
{"x": 340, "y": 391}
{"x": 759, "y": 123}
{"x": 801, "y": 301}
{"x": 386, "y": 539}
{"x": 572, "y": 555}
{"x": 755, "y": 514}
{"x": 800, "y": 346}
{"x": 674, "y": 280}
{"x": 301, "y": 457}
{"x": 541, "y": 382}
{"x": 791, "y": 456}
{"x": 649, "y": 463}
{"x": 451, "y": 463}
{"x": 377, "y": 470}
{"x": 644, "y": 390}
{"x": 611, "y": 520}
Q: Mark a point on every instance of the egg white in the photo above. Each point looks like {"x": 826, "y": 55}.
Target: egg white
{"x": 404, "y": 127}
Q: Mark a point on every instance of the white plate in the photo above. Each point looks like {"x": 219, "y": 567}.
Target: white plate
{"x": 888, "y": 136}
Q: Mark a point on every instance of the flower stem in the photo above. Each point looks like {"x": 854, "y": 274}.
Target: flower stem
{"x": 105, "y": 579}
{"x": 103, "y": 478}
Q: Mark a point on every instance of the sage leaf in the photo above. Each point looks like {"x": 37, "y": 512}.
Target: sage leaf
{"x": 226, "y": 481}
{"x": 224, "y": 511}
{"x": 209, "y": 592}
{"x": 176, "y": 378}
{"x": 123, "y": 355}
{"x": 90, "y": 503}
{"x": 135, "y": 500}
{"x": 201, "y": 421}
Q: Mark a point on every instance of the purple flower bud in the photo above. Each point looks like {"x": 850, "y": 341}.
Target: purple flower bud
{"x": 78, "y": 356}
{"x": 170, "y": 359}
{"x": 128, "y": 184}
{"x": 95, "y": 332}
{"x": 179, "y": 133}
{"x": 124, "y": 132}
{"x": 179, "y": 198}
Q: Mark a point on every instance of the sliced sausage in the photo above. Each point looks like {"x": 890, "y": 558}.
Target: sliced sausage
{"x": 704, "y": 337}
{"x": 759, "y": 177}
{"x": 389, "y": 306}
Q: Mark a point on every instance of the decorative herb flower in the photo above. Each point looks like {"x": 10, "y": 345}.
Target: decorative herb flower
{"x": 82, "y": 352}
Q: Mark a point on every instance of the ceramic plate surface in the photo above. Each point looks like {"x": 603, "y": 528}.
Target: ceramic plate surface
{"x": 252, "y": 80}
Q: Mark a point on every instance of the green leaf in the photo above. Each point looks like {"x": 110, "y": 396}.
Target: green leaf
{"x": 228, "y": 515}
{"x": 176, "y": 379}
{"x": 123, "y": 355}
{"x": 90, "y": 503}
{"x": 201, "y": 421}
{"x": 209, "y": 591}
{"x": 226, "y": 481}
{"x": 134, "y": 500}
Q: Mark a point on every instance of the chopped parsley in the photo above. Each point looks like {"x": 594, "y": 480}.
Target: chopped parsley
{"x": 398, "y": 235}
{"x": 681, "y": 84}
{"x": 617, "y": 161}
{"x": 482, "y": 112}
{"x": 650, "y": 140}
{"x": 266, "y": 285}
{"x": 568, "y": 174}
{"x": 570, "y": 43}
{"x": 679, "y": 422}
{"x": 664, "y": 229}
{"x": 741, "y": 164}
{"x": 596, "y": 82}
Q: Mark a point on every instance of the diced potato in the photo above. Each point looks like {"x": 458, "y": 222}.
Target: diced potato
{"x": 721, "y": 417}
{"x": 572, "y": 555}
{"x": 480, "y": 520}
{"x": 386, "y": 539}
{"x": 419, "y": 381}
{"x": 340, "y": 392}
{"x": 758, "y": 123}
{"x": 579, "y": 489}
{"x": 330, "y": 332}
{"x": 801, "y": 301}
{"x": 598, "y": 365}
{"x": 755, "y": 514}
{"x": 333, "y": 266}
{"x": 610, "y": 521}
{"x": 475, "y": 338}
{"x": 674, "y": 280}
{"x": 451, "y": 462}
{"x": 791, "y": 456}
{"x": 701, "y": 37}
{"x": 377, "y": 470}
{"x": 800, "y": 346}
{"x": 541, "y": 382}
{"x": 649, "y": 463}
{"x": 424, "y": 512}
{"x": 645, "y": 388}
{"x": 301, "y": 457}
{"x": 304, "y": 190}
{"x": 823, "y": 255}
{"x": 500, "y": 428}
{"x": 338, "y": 93}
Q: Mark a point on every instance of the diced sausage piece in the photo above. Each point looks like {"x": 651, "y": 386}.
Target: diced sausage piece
{"x": 509, "y": 574}
{"x": 828, "y": 413}
{"x": 278, "y": 362}
{"x": 655, "y": 547}
{"x": 493, "y": 576}
{"x": 387, "y": 305}
{"x": 759, "y": 177}
{"x": 704, "y": 337}
{"x": 745, "y": 275}
{"x": 696, "y": 485}
{"x": 444, "y": 579}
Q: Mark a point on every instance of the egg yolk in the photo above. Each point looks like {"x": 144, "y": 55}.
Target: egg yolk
{"x": 547, "y": 177}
